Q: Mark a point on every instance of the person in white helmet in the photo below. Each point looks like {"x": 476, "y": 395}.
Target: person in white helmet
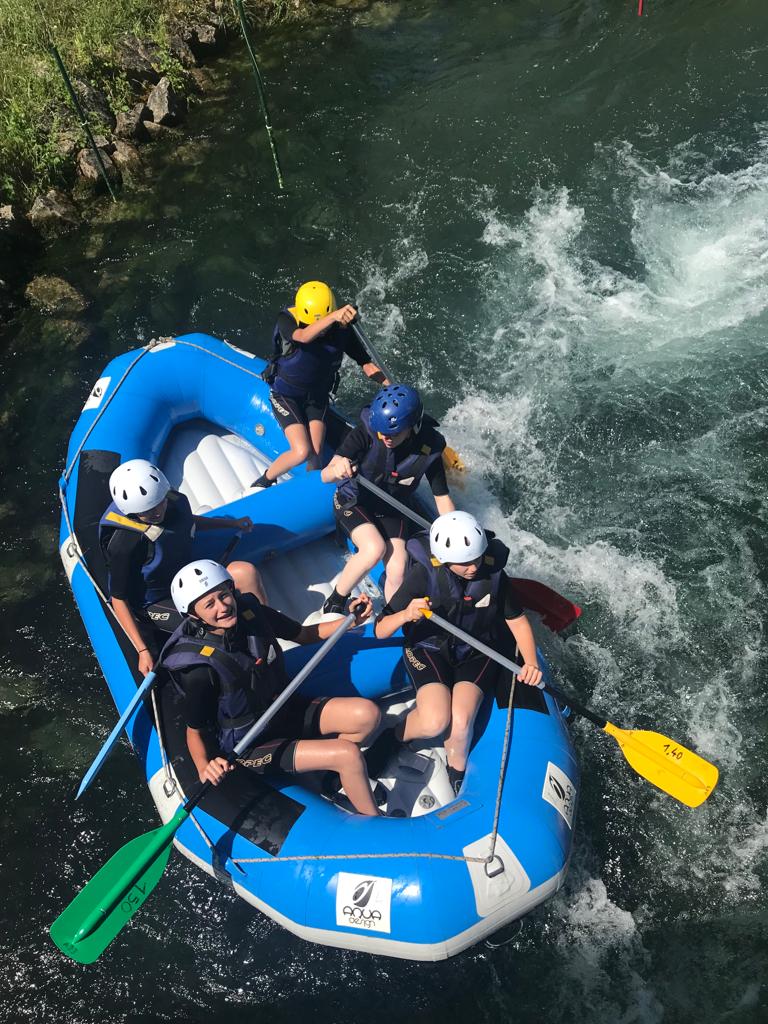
{"x": 458, "y": 571}
{"x": 146, "y": 533}
{"x": 228, "y": 666}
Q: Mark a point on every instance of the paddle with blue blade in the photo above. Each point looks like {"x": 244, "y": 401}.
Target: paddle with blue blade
{"x": 107, "y": 903}
{"x": 114, "y": 736}
{"x": 451, "y": 458}
{"x": 134, "y": 702}
{"x": 669, "y": 765}
{"x": 557, "y": 612}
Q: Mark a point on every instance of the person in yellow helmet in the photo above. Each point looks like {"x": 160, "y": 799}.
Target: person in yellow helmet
{"x": 309, "y": 342}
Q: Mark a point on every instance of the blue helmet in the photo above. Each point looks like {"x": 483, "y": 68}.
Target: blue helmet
{"x": 396, "y": 408}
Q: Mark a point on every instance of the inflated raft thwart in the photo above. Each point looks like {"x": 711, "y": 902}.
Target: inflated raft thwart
{"x": 422, "y": 885}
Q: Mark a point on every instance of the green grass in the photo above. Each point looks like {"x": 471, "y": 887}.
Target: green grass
{"x": 34, "y": 108}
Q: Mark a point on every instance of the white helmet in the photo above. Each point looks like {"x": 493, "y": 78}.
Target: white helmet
{"x": 137, "y": 486}
{"x": 195, "y": 580}
{"x": 457, "y": 537}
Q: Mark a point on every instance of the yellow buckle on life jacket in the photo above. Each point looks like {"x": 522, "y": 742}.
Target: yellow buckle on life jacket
{"x": 207, "y": 651}
{"x": 436, "y": 562}
{"x": 426, "y": 450}
{"x": 115, "y": 517}
{"x": 247, "y": 614}
{"x": 489, "y": 560}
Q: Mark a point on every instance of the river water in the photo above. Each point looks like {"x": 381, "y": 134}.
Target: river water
{"x": 555, "y": 218}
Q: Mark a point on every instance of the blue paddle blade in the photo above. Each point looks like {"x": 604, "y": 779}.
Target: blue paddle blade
{"x": 113, "y": 737}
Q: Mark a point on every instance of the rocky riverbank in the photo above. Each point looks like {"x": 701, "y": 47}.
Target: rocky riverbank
{"x": 158, "y": 85}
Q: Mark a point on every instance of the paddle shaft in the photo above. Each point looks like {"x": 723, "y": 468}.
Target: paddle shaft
{"x": 274, "y": 707}
{"x": 229, "y": 549}
{"x": 403, "y": 509}
{"x": 110, "y": 741}
{"x": 672, "y": 768}
{"x": 460, "y": 634}
{"x": 165, "y": 835}
{"x": 556, "y": 601}
{"x": 113, "y": 737}
{"x": 370, "y": 348}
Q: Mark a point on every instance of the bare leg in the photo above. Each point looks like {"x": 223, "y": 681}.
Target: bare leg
{"x": 370, "y": 548}
{"x": 351, "y": 718}
{"x": 396, "y": 559}
{"x": 301, "y": 448}
{"x": 343, "y": 757}
{"x": 467, "y": 699}
{"x": 248, "y": 579}
{"x": 432, "y": 714}
{"x": 317, "y": 438}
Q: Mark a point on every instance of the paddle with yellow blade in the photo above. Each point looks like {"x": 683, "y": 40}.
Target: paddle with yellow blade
{"x": 451, "y": 458}
{"x": 106, "y": 904}
{"x": 667, "y": 764}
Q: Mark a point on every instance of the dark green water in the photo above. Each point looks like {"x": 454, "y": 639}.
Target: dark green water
{"x": 555, "y": 217}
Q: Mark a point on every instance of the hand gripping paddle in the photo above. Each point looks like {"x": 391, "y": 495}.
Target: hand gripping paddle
{"x": 106, "y": 904}
{"x": 670, "y": 766}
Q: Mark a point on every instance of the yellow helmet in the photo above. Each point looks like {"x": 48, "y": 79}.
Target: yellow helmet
{"x": 313, "y": 300}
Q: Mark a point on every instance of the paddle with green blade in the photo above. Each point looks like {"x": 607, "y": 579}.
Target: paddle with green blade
{"x": 669, "y": 765}
{"x": 451, "y": 457}
{"x": 107, "y": 903}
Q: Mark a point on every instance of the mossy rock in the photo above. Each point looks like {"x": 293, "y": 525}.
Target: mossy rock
{"x": 54, "y": 295}
{"x": 56, "y": 333}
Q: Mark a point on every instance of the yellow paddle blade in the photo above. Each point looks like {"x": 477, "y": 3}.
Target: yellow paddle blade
{"x": 667, "y": 764}
{"x": 452, "y": 460}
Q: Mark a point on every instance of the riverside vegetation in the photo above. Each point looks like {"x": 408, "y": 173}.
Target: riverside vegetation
{"x": 111, "y": 48}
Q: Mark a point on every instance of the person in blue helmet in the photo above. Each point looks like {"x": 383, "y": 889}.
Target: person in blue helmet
{"x": 309, "y": 343}
{"x": 146, "y": 533}
{"x": 394, "y": 446}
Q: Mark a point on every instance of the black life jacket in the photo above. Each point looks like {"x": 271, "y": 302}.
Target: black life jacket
{"x": 249, "y": 681}
{"x": 312, "y": 367}
{"x": 378, "y": 463}
{"x": 170, "y": 543}
{"x": 472, "y": 605}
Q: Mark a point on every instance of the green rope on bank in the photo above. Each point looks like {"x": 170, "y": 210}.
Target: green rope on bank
{"x": 83, "y": 119}
{"x": 262, "y": 94}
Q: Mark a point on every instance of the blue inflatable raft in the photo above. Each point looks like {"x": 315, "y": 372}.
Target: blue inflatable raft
{"x": 422, "y": 885}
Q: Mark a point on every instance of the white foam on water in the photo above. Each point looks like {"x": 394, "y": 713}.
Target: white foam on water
{"x": 601, "y": 954}
{"x": 712, "y": 718}
{"x": 384, "y": 319}
{"x": 702, "y": 241}
{"x": 495, "y": 437}
{"x": 748, "y": 848}
{"x": 553, "y": 321}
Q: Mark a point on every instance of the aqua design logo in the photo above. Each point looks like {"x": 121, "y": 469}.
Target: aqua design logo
{"x": 363, "y": 901}
{"x": 560, "y": 792}
{"x": 97, "y": 393}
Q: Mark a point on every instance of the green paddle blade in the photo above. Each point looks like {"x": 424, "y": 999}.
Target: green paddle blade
{"x": 114, "y": 894}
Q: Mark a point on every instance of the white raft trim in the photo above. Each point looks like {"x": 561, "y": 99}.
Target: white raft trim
{"x": 98, "y": 391}
{"x": 494, "y": 891}
{"x": 70, "y": 556}
{"x": 248, "y": 355}
{"x": 377, "y": 944}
